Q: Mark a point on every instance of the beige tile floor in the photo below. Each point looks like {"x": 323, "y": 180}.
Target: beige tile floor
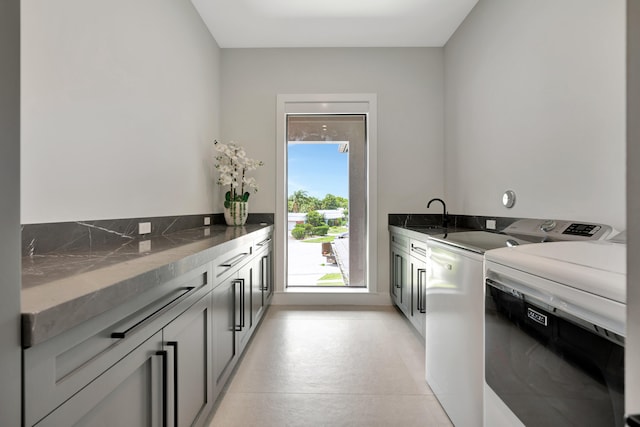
{"x": 331, "y": 366}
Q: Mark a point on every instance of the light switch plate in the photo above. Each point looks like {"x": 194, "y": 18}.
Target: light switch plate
{"x": 144, "y": 227}
{"x": 207, "y": 220}
{"x": 491, "y": 224}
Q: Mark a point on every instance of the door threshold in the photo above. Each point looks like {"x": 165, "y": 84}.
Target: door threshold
{"x": 325, "y": 290}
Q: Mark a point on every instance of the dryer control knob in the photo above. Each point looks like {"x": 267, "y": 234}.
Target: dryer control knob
{"x": 548, "y": 225}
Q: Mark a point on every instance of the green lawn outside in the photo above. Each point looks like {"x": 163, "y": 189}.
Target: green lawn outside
{"x": 324, "y": 239}
{"x": 338, "y": 230}
{"x": 331, "y": 279}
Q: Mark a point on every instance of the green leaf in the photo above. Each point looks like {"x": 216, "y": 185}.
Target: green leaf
{"x": 245, "y": 196}
{"x": 227, "y": 204}
{"x": 227, "y": 198}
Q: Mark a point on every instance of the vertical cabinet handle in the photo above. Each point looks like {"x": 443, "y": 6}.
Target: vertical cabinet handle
{"x": 242, "y": 304}
{"x": 174, "y": 344}
{"x": 398, "y": 269}
{"x": 264, "y": 273}
{"x": 422, "y": 290}
{"x": 240, "y": 319}
{"x": 163, "y": 354}
{"x": 237, "y": 318}
{"x": 419, "y": 299}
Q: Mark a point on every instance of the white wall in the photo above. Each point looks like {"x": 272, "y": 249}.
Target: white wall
{"x": 409, "y": 87}
{"x": 10, "y": 350}
{"x": 119, "y": 109}
{"x": 535, "y": 102}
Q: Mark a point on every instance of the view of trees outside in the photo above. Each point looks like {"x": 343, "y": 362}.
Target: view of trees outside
{"x": 316, "y": 258}
{"x": 318, "y": 247}
{"x": 301, "y": 201}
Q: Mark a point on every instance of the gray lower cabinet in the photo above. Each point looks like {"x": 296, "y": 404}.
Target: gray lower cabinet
{"x": 187, "y": 343}
{"x": 163, "y": 382}
{"x": 240, "y": 298}
{"x": 261, "y": 279}
{"x": 130, "y": 393}
{"x": 408, "y": 276}
{"x": 225, "y": 348}
{"x": 400, "y": 287}
{"x": 418, "y": 269}
{"x": 159, "y": 359}
{"x": 63, "y": 369}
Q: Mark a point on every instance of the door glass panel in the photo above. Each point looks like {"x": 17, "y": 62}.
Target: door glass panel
{"x": 326, "y": 187}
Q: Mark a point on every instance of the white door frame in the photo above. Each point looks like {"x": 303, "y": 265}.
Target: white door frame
{"x": 326, "y": 104}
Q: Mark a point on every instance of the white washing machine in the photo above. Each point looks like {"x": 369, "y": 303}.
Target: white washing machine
{"x": 554, "y": 334}
{"x": 454, "y": 306}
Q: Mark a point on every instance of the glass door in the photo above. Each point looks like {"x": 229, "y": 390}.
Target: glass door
{"x": 326, "y": 200}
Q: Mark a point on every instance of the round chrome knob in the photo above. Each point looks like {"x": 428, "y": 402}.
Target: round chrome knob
{"x": 548, "y": 225}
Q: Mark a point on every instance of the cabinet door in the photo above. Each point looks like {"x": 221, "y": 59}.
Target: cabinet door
{"x": 400, "y": 284}
{"x": 267, "y": 275}
{"x": 244, "y": 303}
{"x": 187, "y": 340}
{"x": 224, "y": 330}
{"x": 261, "y": 285}
{"x": 130, "y": 393}
{"x": 265, "y": 259}
{"x": 418, "y": 293}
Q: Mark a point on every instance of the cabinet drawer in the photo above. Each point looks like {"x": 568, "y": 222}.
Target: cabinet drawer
{"x": 264, "y": 242}
{"x": 399, "y": 241}
{"x": 56, "y": 369}
{"x": 236, "y": 256}
{"x": 444, "y": 270}
{"x": 418, "y": 249}
{"x": 127, "y": 394}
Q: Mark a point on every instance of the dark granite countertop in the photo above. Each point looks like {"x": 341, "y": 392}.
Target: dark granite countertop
{"x": 62, "y": 289}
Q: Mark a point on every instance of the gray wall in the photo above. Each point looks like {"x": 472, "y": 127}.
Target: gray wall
{"x": 10, "y": 368}
{"x": 119, "y": 109}
{"x": 632, "y": 368}
{"x": 409, "y": 87}
{"x": 535, "y": 102}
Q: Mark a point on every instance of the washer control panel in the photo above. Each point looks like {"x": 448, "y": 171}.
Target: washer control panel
{"x": 559, "y": 230}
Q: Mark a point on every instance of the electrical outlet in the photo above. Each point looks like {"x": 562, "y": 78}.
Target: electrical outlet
{"x": 491, "y": 224}
{"x": 144, "y": 227}
{"x": 207, "y": 220}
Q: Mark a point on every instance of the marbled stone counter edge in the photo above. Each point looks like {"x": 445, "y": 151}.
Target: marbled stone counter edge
{"x": 52, "y": 308}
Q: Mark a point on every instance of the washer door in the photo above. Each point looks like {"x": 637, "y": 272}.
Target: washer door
{"x": 548, "y": 367}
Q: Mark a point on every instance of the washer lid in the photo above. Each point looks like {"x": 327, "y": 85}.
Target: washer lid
{"x": 478, "y": 241}
{"x": 598, "y": 267}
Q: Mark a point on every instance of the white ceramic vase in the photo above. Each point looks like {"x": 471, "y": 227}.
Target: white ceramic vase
{"x": 237, "y": 213}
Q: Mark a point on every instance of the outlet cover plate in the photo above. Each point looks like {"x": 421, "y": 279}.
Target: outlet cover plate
{"x": 144, "y": 227}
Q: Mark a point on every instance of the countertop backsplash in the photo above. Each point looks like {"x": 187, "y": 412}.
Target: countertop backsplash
{"x": 46, "y": 238}
{"x": 470, "y": 222}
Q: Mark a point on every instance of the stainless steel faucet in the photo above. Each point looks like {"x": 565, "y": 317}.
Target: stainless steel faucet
{"x": 444, "y": 211}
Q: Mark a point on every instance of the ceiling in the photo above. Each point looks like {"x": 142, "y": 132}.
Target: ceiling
{"x": 332, "y": 23}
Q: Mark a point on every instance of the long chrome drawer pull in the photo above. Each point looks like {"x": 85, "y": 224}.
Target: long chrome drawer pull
{"x": 419, "y": 250}
{"x": 235, "y": 260}
{"x": 264, "y": 242}
{"x": 153, "y": 315}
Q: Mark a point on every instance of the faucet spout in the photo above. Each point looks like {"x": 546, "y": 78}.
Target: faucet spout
{"x": 445, "y": 221}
